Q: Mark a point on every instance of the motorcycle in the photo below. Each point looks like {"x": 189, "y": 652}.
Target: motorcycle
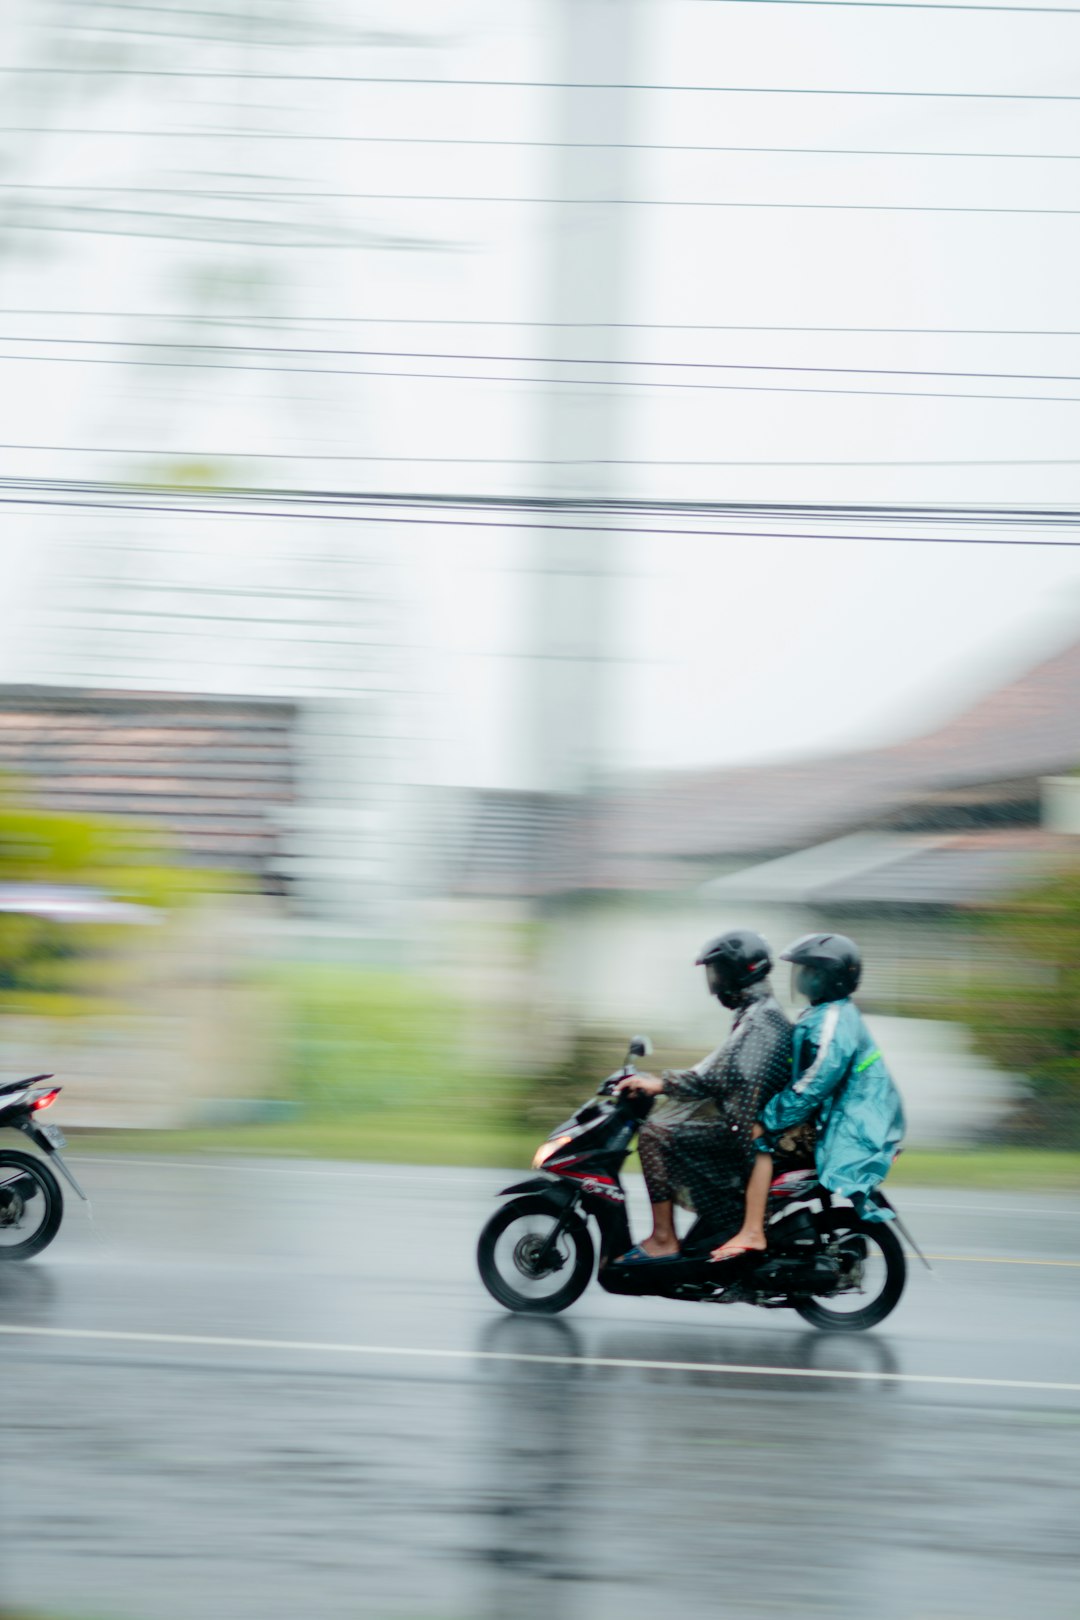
{"x": 834, "y": 1268}
{"x": 31, "y": 1204}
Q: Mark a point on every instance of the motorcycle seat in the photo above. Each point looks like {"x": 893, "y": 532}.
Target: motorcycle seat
{"x": 20, "y": 1085}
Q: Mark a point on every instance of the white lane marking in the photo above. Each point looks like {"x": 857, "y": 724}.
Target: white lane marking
{"x": 381, "y": 1172}
{"x": 320, "y": 1347}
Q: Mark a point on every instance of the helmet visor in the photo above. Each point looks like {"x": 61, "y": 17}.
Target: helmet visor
{"x": 722, "y": 978}
{"x": 809, "y": 982}
{"x": 715, "y": 977}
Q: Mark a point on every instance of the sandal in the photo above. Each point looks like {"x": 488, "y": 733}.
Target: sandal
{"x": 733, "y": 1254}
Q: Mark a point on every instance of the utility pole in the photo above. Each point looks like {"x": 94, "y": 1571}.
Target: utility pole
{"x": 575, "y": 575}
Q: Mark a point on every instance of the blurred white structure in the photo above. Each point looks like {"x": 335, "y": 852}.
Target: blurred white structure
{"x": 235, "y": 612}
{"x": 1061, "y": 803}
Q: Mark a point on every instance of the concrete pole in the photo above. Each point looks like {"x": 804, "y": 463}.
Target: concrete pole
{"x": 574, "y": 575}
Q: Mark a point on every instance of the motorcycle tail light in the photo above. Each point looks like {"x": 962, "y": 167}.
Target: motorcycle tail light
{"x": 46, "y": 1100}
{"x": 548, "y": 1149}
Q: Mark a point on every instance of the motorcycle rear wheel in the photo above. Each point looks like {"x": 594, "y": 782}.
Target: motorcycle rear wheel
{"x": 507, "y": 1247}
{"x": 25, "y": 1177}
{"x": 892, "y": 1268}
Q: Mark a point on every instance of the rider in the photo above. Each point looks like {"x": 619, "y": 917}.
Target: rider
{"x": 840, "y": 1081}
{"x": 703, "y": 1162}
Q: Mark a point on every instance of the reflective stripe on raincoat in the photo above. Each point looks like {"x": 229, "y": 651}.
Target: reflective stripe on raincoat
{"x": 841, "y": 1081}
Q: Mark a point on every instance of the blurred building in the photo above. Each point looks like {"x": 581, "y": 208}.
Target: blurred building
{"x": 218, "y": 777}
{"x": 247, "y": 698}
{"x": 236, "y": 688}
{"x": 898, "y": 846}
{"x": 233, "y": 683}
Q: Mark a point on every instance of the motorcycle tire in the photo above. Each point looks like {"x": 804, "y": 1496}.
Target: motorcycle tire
{"x": 578, "y": 1265}
{"x": 31, "y": 1166}
{"x": 817, "y": 1312}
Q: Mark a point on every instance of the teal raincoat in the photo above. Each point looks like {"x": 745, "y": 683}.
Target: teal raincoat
{"x": 841, "y": 1081}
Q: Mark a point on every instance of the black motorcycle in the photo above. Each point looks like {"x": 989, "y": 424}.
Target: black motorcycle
{"x": 31, "y": 1205}
{"x": 823, "y": 1260}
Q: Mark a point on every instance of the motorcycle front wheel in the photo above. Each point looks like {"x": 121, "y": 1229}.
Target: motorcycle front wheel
{"x": 875, "y": 1271}
{"x": 31, "y": 1205}
{"x": 516, "y": 1270}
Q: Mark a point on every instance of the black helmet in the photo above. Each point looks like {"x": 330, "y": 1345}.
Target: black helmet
{"x": 828, "y": 966}
{"x": 734, "y": 961}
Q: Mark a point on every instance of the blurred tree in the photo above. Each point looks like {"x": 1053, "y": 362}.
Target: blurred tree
{"x": 53, "y": 965}
{"x": 372, "y": 1041}
{"x": 549, "y": 1095}
{"x": 1024, "y": 1011}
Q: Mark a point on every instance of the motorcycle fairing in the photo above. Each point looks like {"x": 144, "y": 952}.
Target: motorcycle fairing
{"x": 608, "y": 1210}
{"x": 545, "y": 1184}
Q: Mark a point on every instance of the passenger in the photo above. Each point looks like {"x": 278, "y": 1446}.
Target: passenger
{"x": 840, "y": 1082}
{"x": 703, "y": 1161}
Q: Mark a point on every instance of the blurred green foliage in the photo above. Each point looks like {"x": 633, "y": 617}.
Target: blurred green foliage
{"x": 48, "y": 966}
{"x": 545, "y": 1099}
{"x": 1024, "y": 1011}
{"x": 386, "y": 1047}
{"x": 375, "y": 1041}
{"x": 548, "y": 1097}
{"x": 993, "y": 1169}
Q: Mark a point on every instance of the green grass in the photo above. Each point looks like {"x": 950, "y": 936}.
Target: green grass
{"x": 385, "y": 1139}
{"x": 416, "y": 1138}
{"x": 27, "y": 1614}
{"x": 995, "y": 1169}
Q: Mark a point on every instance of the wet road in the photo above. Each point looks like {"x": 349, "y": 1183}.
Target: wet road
{"x": 280, "y": 1390}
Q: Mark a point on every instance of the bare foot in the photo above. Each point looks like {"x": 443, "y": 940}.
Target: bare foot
{"x": 750, "y": 1240}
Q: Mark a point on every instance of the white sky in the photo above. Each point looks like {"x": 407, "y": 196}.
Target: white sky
{"x": 840, "y": 641}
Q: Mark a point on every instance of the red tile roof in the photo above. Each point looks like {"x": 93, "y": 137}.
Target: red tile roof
{"x": 210, "y": 772}
{"x": 1027, "y": 729}
{"x": 651, "y": 832}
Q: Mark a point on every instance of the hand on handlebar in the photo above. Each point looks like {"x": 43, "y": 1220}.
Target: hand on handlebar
{"x": 650, "y": 1085}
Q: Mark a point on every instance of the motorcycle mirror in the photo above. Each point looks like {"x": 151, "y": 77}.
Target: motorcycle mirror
{"x": 640, "y": 1046}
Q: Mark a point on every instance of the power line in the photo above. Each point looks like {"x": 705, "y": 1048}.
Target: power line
{"x": 516, "y": 359}
{"x": 529, "y": 359}
{"x": 167, "y": 452}
{"x": 886, "y": 512}
{"x": 196, "y": 220}
{"x": 556, "y": 382}
{"x": 597, "y": 146}
{"x": 539, "y": 84}
{"x": 201, "y": 229}
{"x": 451, "y": 320}
{"x": 571, "y": 506}
{"x": 888, "y": 5}
{"x": 560, "y": 202}
{"x": 103, "y": 502}
{"x": 484, "y": 460}
{"x": 363, "y": 240}
{"x": 297, "y": 30}
{"x": 901, "y": 5}
{"x": 493, "y": 505}
{"x": 300, "y": 38}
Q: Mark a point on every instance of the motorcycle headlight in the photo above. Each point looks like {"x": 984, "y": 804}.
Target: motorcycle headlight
{"x": 545, "y": 1151}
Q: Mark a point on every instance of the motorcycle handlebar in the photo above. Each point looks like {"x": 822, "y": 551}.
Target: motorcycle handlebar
{"x": 610, "y": 1086}
{"x": 637, "y": 1103}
